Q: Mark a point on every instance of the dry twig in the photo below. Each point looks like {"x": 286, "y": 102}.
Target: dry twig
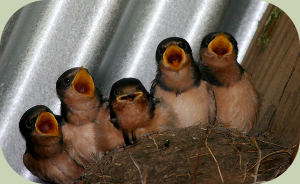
{"x": 219, "y": 170}
{"x": 276, "y": 152}
{"x": 259, "y": 159}
{"x": 239, "y": 152}
{"x": 208, "y": 131}
{"x": 267, "y": 142}
{"x": 196, "y": 167}
{"x": 154, "y": 143}
{"x": 245, "y": 174}
{"x": 199, "y": 155}
{"x": 143, "y": 180}
{"x": 270, "y": 154}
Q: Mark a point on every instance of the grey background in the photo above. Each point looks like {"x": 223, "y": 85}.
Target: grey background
{"x": 112, "y": 38}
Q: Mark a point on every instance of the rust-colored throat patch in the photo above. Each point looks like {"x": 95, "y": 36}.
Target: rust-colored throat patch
{"x": 174, "y": 57}
{"x": 220, "y": 46}
{"x": 46, "y": 124}
{"x": 130, "y": 97}
{"x": 83, "y": 83}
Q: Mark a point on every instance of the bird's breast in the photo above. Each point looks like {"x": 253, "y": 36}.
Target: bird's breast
{"x": 191, "y": 106}
{"x": 237, "y": 105}
{"x": 133, "y": 116}
{"x": 80, "y": 141}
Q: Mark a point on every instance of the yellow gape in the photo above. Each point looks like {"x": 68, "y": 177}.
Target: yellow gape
{"x": 174, "y": 57}
{"x": 46, "y": 124}
{"x": 220, "y": 46}
{"x": 130, "y": 97}
{"x": 83, "y": 83}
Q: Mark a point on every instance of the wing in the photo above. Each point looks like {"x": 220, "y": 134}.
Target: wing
{"x": 43, "y": 169}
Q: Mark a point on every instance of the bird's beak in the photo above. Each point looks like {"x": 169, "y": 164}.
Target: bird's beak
{"x": 220, "y": 46}
{"x": 130, "y": 97}
{"x": 83, "y": 83}
{"x": 46, "y": 124}
{"x": 174, "y": 57}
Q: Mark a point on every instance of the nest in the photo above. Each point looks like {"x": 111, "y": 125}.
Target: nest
{"x": 193, "y": 155}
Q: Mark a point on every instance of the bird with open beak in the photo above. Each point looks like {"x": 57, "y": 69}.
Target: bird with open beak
{"x": 88, "y": 131}
{"x": 45, "y": 156}
{"x": 236, "y": 97}
{"x": 80, "y": 100}
{"x": 179, "y": 84}
{"x": 135, "y": 112}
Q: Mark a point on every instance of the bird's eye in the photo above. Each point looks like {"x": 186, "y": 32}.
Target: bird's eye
{"x": 67, "y": 81}
{"x": 117, "y": 92}
{"x": 29, "y": 124}
{"x": 139, "y": 87}
{"x": 182, "y": 45}
{"x": 162, "y": 50}
{"x": 210, "y": 39}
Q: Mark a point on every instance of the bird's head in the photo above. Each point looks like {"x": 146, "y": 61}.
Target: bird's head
{"x": 128, "y": 91}
{"x": 76, "y": 81}
{"x": 39, "y": 121}
{"x": 218, "y": 47}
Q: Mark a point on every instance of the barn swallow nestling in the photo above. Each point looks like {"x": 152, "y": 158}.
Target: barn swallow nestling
{"x": 45, "y": 156}
{"x": 88, "y": 132}
{"x": 178, "y": 83}
{"x": 134, "y": 111}
{"x": 89, "y": 142}
{"x": 236, "y": 98}
{"x": 81, "y": 101}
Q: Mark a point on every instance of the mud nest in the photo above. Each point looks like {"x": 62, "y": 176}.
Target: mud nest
{"x": 193, "y": 155}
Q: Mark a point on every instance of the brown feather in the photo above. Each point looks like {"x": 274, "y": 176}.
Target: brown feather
{"x": 237, "y": 105}
{"x": 58, "y": 169}
{"x": 103, "y": 114}
{"x": 225, "y": 69}
{"x": 178, "y": 80}
{"x": 236, "y": 98}
{"x": 88, "y": 142}
{"x": 46, "y": 146}
{"x": 164, "y": 119}
{"x": 82, "y": 108}
{"x": 132, "y": 115}
{"x": 193, "y": 106}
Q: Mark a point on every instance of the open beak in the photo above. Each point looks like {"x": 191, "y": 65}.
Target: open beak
{"x": 46, "y": 124}
{"x": 174, "y": 57}
{"x": 220, "y": 46}
{"x": 130, "y": 97}
{"x": 83, "y": 83}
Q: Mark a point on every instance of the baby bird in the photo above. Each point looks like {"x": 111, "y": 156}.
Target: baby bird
{"x": 236, "y": 97}
{"x": 89, "y": 142}
{"x": 178, "y": 83}
{"x": 45, "y": 156}
{"x": 135, "y": 112}
{"x": 80, "y": 100}
{"x": 88, "y": 132}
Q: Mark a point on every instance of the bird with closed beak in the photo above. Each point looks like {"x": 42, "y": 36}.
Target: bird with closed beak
{"x": 45, "y": 156}
{"x": 179, "y": 84}
{"x": 136, "y": 112}
{"x": 236, "y": 97}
